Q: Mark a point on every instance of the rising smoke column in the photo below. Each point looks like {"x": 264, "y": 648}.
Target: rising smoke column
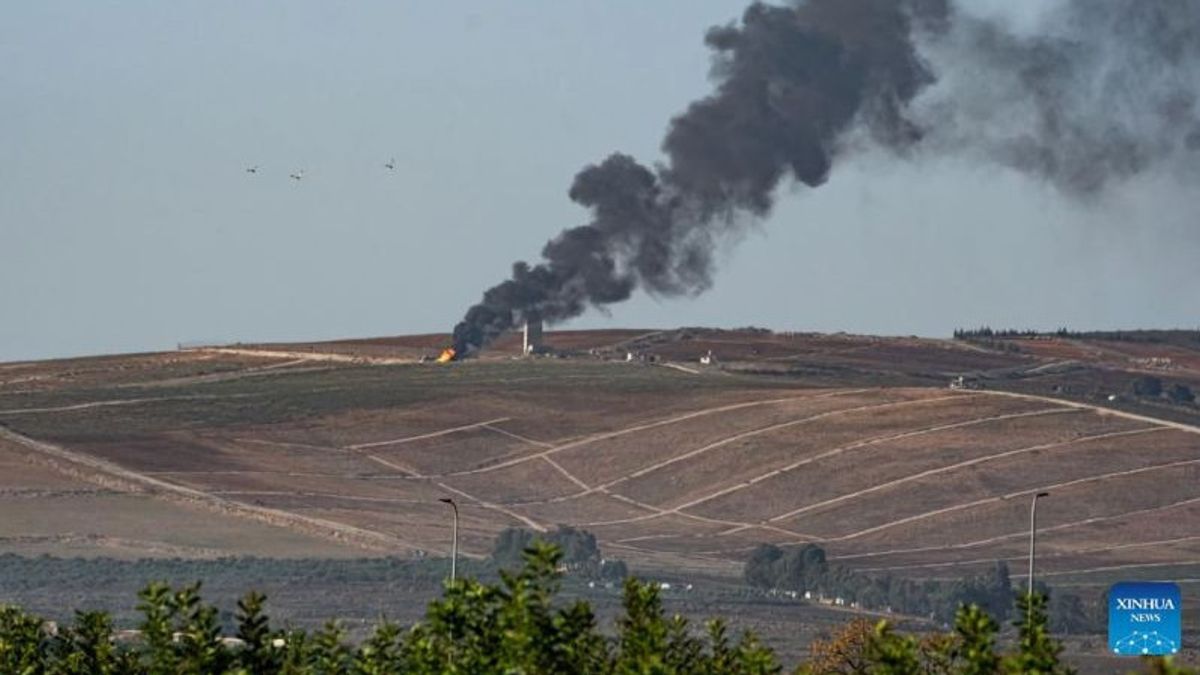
{"x": 1102, "y": 90}
{"x": 789, "y": 81}
{"x": 1097, "y": 92}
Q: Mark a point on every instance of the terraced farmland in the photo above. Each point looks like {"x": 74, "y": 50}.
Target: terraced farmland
{"x": 668, "y": 468}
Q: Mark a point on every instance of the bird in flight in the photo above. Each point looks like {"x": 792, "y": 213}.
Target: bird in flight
{"x": 391, "y": 164}
{"x": 297, "y": 176}
{"x": 252, "y": 169}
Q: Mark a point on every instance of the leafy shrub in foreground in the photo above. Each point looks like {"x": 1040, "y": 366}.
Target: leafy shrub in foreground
{"x": 513, "y": 626}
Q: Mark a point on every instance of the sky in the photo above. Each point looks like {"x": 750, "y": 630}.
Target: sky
{"x": 131, "y": 224}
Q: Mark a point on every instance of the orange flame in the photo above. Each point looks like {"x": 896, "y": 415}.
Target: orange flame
{"x": 447, "y": 355}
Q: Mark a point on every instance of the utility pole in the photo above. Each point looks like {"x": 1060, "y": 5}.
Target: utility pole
{"x": 1032, "y": 544}
{"x": 454, "y": 545}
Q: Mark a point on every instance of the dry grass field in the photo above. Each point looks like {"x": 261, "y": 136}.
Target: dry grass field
{"x": 205, "y": 453}
{"x": 342, "y": 450}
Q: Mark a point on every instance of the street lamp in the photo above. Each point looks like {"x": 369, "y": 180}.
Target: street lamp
{"x": 1032, "y": 542}
{"x": 454, "y": 545}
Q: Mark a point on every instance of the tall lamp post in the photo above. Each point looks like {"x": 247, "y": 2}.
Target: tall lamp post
{"x": 1032, "y": 543}
{"x": 454, "y": 545}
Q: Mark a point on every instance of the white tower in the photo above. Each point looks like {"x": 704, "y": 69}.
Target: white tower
{"x": 531, "y": 341}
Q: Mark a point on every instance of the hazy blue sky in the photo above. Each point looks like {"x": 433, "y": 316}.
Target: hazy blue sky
{"x": 130, "y": 224}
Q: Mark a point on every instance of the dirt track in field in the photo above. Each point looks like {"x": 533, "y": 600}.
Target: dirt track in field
{"x": 680, "y": 466}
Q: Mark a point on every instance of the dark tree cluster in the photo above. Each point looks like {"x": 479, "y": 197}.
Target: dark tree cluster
{"x": 1152, "y": 387}
{"x": 580, "y": 553}
{"x": 806, "y": 569}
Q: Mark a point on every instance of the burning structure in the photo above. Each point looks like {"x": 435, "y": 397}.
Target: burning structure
{"x": 531, "y": 335}
{"x": 1094, "y": 92}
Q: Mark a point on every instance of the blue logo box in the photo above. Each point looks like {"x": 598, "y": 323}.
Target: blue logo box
{"x": 1144, "y": 618}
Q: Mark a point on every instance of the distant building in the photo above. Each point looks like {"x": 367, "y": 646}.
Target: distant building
{"x": 962, "y": 382}
{"x": 531, "y": 335}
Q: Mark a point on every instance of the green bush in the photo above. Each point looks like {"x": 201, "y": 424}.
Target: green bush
{"x": 514, "y": 626}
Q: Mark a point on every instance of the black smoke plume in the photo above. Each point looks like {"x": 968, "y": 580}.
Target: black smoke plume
{"x": 1100, "y": 91}
{"x": 1097, "y": 92}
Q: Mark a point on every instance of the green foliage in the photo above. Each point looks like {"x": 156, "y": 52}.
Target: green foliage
{"x": 1037, "y": 653}
{"x": 1147, "y": 386}
{"x": 22, "y": 648}
{"x": 580, "y": 552}
{"x": 1181, "y": 393}
{"x": 181, "y": 631}
{"x": 650, "y": 643}
{"x": 514, "y": 626}
{"x": 87, "y": 647}
{"x": 258, "y": 654}
{"x": 805, "y": 569}
{"x": 975, "y": 646}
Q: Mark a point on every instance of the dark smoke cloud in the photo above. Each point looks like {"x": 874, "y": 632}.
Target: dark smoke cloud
{"x": 1101, "y": 91}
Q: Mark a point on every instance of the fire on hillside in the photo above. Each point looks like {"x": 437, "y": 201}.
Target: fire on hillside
{"x": 447, "y": 355}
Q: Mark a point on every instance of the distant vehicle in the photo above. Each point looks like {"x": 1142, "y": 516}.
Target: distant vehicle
{"x": 391, "y": 164}
{"x": 297, "y": 175}
{"x": 252, "y": 169}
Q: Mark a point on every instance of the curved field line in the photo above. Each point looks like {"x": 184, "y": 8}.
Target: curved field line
{"x": 656, "y": 512}
{"x": 874, "y": 440}
{"x": 228, "y": 376}
{"x": 495, "y": 507}
{"x": 421, "y": 437}
{"x": 651, "y": 551}
{"x": 567, "y": 474}
{"x": 310, "y": 493}
{"x": 1190, "y": 428}
{"x": 1023, "y": 534}
{"x": 1109, "y": 568}
{"x": 518, "y": 437}
{"x": 393, "y": 465}
{"x": 828, "y": 453}
{"x": 288, "y": 444}
{"x": 173, "y": 491}
{"x": 142, "y": 546}
{"x": 763, "y": 430}
{"x": 603, "y": 487}
{"x": 243, "y": 472}
{"x": 680, "y": 367}
{"x": 1012, "y": 535}
{"x": 1051, "y": 556}
{"x": 1019, "y": 493}
{"x": 120, "y": 402}
{"x": 311, "y": 356}
{"x": 627, "y": 430}
{"x": 960, "y": 465}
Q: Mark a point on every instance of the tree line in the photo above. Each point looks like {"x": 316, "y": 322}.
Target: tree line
{"x": 805, "y": 569}
{"x": 580, "y": 552}
{"x": 511, "y": 626}
{"x": 1136, "y": 336}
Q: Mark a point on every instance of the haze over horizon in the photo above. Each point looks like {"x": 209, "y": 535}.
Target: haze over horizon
{"x": 133, "y": 224}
